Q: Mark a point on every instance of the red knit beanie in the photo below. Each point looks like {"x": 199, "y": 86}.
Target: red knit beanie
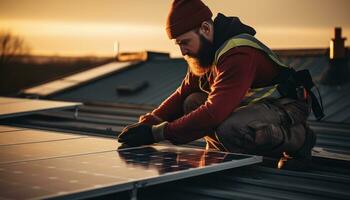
{"x": 186, "y": 15}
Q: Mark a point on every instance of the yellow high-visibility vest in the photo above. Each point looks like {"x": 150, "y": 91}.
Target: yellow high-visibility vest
{"x": 255, "y": 94}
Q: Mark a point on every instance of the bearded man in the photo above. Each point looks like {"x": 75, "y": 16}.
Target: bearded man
{"x": 237, "y": 94}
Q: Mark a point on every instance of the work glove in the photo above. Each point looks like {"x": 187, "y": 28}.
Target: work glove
{"x": 136, "y": 135}
{"x": 150, "y": 119}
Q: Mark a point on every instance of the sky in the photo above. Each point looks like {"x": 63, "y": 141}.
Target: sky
{"x": 93, "y": 27}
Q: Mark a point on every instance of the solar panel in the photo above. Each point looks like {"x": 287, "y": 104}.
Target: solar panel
{"x": 7, "y": 100}
{"x": 94, "y": 174}
{"x": 10, "y": 107}
{"x": 76, "y": 79}
{"x": 55, "y": 148}
{"x": 9, "y": 128}
{"x": 18, "y": 136}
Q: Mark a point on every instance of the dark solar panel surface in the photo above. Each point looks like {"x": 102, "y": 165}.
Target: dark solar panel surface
{"x": 16, "y": 137}
{"x": 55, "y": 148}
{"x": 61, "y": 165}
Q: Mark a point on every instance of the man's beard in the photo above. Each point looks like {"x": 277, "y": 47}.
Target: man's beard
{"x": 201, "y": 62}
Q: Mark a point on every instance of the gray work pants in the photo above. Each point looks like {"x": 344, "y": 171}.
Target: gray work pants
{"x": 268, "y": 127}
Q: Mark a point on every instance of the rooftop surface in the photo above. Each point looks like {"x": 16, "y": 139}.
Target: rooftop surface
{"x": 105, "y": 112}
{"x": 151, "y": 81}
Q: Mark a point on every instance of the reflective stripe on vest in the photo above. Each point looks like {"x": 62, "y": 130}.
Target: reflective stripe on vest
{"x": 256, "y": 94}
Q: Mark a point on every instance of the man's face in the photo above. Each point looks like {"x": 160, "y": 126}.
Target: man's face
{"x": 198, "y": 51}
{"x": 189, "y": 43}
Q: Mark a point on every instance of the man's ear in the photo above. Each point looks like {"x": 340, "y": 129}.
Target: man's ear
{"x": 206, "y": 29}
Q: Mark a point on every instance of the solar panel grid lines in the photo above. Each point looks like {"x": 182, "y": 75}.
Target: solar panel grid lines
{"x": 33, "y": 136}
{"x": 29, "y": 144}
{"x": 170, "y": 160}
{"x": 167, "y": 165}
{"x": 99, "y": 172}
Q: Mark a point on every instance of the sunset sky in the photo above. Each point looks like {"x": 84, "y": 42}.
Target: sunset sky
{"x": 91, "y": 27}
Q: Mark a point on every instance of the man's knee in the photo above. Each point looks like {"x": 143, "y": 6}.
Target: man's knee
{"x": 237, "y": 124}
{"x": 258, "y": 137}
{"x": 234, "y": 135}
{"x": 193, "y": 101}
{"x": 264, "y": 128}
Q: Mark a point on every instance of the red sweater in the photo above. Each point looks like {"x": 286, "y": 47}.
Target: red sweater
{"x": 237, "y": 70}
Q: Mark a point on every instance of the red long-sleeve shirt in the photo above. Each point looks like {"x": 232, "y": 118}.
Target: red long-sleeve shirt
{"x": 237, "y": 70}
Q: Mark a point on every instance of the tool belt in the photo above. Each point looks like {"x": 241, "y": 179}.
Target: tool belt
{"x": 298, "y": 85}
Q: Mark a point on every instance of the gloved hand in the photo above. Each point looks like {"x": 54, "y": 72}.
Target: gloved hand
{"x": 136, "y": 135}
{"x": 150, "y": 119}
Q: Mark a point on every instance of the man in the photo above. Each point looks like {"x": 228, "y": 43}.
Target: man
{"x": 236, "y": 94}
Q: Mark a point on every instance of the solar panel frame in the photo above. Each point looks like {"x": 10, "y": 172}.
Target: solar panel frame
{"x": 114, "y": 182}
{"x": 28, "y": 136}
{"x": 9, "y": 100}
{"x": 11, "y": 154}
{"x": 21, "y": 107}
{"x": 97, "y": 166}
{"x": 172, "y": 176}
{"x": 4, "y": 129}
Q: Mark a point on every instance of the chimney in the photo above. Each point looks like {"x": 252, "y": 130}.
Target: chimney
{"x": 338, "y": 71}
{"x": 337, "y": 45}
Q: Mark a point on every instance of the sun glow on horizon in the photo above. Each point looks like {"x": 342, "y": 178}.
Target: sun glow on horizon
{"x": 89, "y": 27}
{"x": 91, "y": 38}
{"x": 75, "y": 38}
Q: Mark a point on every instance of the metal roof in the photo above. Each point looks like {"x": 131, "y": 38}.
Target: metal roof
{"x": 74, "y": 80}
{"x": 153, "y": 80}
{"x": 163, "y": 77}
{"x": 108, "y": 121}
{"x": 328, "y": 177}
{"x": 336, "y": 98}
{"x": 256, "y": 182}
